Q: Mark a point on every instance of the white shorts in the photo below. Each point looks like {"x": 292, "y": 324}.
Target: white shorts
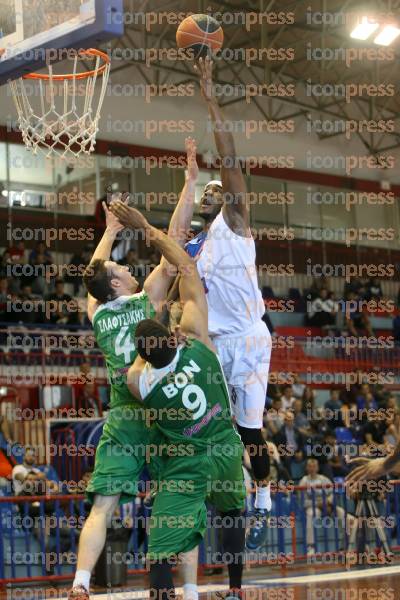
{"x": 245, "y": 359}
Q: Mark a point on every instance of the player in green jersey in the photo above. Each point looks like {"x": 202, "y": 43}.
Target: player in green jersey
{"x": 184, "y": 391}
{"x": 114, "y": 309}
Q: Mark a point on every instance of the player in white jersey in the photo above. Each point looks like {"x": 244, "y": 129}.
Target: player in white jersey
{"x": 225, "y": 254}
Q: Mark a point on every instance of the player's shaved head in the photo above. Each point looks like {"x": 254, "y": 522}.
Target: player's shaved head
{"x": 155, "y": 343}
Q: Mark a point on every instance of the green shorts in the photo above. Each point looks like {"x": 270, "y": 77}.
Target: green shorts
{"x": 122, "y": 454}
{"x": 179, "y": 517}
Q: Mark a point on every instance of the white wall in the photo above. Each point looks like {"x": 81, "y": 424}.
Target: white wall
{"x": 131, "y": 109}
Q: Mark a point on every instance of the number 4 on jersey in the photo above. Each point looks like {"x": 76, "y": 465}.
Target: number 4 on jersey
{"x": 124, "y": 344}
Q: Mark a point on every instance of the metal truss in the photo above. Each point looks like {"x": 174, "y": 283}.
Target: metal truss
{"x": 303, "y": 35}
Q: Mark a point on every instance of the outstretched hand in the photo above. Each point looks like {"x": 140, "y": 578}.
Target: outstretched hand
{"x": 113, "y": 225}
{"x": 204, "y": 69}
{"x": 127, "y": 215}
{"x": 191, "y": 151}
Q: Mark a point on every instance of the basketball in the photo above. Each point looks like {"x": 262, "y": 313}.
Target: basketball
{"x": 200, "y": 33}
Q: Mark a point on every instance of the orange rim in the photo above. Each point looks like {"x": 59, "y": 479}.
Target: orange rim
{"x": 92, "y": 52}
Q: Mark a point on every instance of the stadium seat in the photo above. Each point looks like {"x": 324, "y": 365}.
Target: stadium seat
{"x": 96, "y": 358}
{"x": 76, "y": 358}
{"x": 36, "y": 356}
{"x": 17, "y": 356}
{"x": 343, "y": 434}
{"x": 267, "y": 292}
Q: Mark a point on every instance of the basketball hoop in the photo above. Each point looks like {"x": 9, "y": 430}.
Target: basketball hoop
{"x": 62, "y": 117}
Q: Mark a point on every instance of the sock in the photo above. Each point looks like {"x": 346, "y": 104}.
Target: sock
{"x": 263, "y": 497}
{"x": 190, "y": 591}
{"x": 233, "y": 540}
{"x": 82, "y": 578}
{"x": 161, "y": 582}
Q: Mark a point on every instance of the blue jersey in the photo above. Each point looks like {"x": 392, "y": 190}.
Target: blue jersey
{"x": 194, "y": 247}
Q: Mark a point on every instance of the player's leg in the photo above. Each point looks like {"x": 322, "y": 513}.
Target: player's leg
{"x": 228, "y": 496}
{"x": 188, "y": 561}
{"x": 91, "y": 542}
{"x": 177, "y": 525}
{"x": 188, "y": 565}
{"x": 161, "y": 580}
{"x": 250, "y": 360}
{"x": 120, "y": 459}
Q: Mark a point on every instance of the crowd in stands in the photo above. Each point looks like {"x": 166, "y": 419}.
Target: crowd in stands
{"x": 347, "y": 313}
{"x": 296, "y": 429}
{"x": 26, "y": 286}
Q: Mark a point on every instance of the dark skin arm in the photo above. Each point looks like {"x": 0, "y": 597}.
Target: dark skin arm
{"x": 373, "y": 468}
{"x": 236, "y": 210}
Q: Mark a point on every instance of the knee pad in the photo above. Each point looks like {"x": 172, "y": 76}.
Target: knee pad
{"x": 258, "y": 451}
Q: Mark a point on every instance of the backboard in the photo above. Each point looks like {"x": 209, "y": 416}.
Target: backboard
{"x": 32, "y": 31}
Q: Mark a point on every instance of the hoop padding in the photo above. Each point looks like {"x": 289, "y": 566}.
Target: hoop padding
{"x": 56, "y": 113}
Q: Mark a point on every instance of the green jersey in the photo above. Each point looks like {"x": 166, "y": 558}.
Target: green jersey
{"x": 114, "y": 325}
{"x": 188, "y": 399}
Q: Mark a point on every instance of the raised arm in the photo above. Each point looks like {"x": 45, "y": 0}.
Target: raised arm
{"x": 194, "y": 319}
{"x": 103, "y": 250}
{"x": 179, "y": 226}
{"x": 236, "y": 210}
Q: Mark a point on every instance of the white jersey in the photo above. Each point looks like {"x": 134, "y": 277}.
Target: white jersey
{"x": 226, "y": 263}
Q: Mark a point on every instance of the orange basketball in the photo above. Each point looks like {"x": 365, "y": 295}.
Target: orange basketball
{"x": 200, "y": 33}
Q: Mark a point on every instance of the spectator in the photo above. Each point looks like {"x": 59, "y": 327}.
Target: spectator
{"x": 374, "y": 431}
{"x": 3, "y": 290}
{"x": 278, "y": 472}
{"x": 357, "y": 322}
{"x": 58, "y": 304}
{"x": 298, "y": 466}
{"x": 4, "y": 298}
{"x": 365, "y": 399}
{"x": 40, "y": 255}
{"x": 17, "y": 253}
{"x": 308, "y": 402}
{"x": 136, "y": 267}
{"x": 29, "y": 302}
{"x": 86, "y": 395}
{"x": 354, "y": 286}
{"x": 76, "y": 316}
{"x": 152, "y": 261}
{"x": 374, "y": 289}
{"x": 350, "y": 416}
{"x": 5, "y": 264}
{"x": 318, "y": 500}
{"x": 301, "y": 422}
{"x": 90, "y": 400}
{"x": 28, "y": 479}
{"x": 318, "y": 429}
{"x": 392, "y": 435}
{"x": 297, "y": 387}
{"x": 274, "y": 418}
{"x": 317, "y": 285}
{"x": 79, "y": 260}
{"x": 40, "y": 258}
{"x": 335, "y": 465}
{"x": 288, "y": 439}
{"x": 322, "y": 310}
{"x": 396, "y": 329}
{"x": 333, "y": 410}
{"x": 287, "y": 397}
{"x": 6, "y": 435}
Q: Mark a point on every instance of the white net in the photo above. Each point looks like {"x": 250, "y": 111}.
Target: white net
{"x": 59, "y": 114}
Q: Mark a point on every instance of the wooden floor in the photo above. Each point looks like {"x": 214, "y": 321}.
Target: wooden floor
{"x": 294, "y": 583}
